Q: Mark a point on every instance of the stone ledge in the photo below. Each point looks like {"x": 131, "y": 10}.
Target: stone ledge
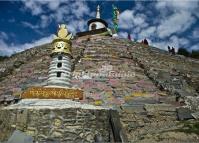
{"x": 51, "y": 104}
{"x": 55, "y": 120}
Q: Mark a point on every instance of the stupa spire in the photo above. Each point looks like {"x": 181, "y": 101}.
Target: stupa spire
{"x": 98, "y": 12}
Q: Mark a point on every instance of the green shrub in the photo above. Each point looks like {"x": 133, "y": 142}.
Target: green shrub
{"x": 195, "y": 54}
{"x": 183, "y": 51}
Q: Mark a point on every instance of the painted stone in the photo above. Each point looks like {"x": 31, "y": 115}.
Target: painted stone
{"x": 52, "y": 93}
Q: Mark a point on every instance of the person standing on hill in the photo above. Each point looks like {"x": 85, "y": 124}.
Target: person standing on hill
{"x": 129, "y": 37}
{"x": 146, "y": 42}
{"x": 173, "y": 51}
{"x": 169, "y": 49}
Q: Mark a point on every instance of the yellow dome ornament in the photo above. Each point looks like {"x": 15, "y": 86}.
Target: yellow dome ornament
{"x": 61, "y": 42}
{"x": 63, "y": 32}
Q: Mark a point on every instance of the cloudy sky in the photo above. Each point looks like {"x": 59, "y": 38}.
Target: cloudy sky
{"x": 24, "y": 24}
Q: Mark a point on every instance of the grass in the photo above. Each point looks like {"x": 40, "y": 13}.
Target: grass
{"x": 190, "y": 127}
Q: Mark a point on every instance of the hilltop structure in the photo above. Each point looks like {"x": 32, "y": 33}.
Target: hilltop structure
{"x": 96, "y": 26}
{"x": 97, "y": 23}
{"x": 142, "y": 94}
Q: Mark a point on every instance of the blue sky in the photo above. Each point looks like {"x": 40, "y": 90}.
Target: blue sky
{"x": 24, "y": 24}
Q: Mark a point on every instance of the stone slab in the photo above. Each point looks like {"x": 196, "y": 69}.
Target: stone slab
{"x": 195, "y": 115}
{"x": 20, "y": 137}
{"x": 159, "y": 107}
{"x": 38, "y": 104}
{"x": 135, "y": 108}
{"x": 184, "y": 114}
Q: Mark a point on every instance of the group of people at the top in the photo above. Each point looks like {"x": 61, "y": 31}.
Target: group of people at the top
{"x": 171, "y": 50}
{"x": 145, "y": 42}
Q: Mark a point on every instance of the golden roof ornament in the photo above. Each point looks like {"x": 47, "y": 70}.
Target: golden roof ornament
{"x": 61, "y": 42}
{"x": 63, "y": 33}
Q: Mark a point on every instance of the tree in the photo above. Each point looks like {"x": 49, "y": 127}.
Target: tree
{"x": 183, "y": 51}
{"x": 3, "y": 58}
{"x": 195, "y": 54}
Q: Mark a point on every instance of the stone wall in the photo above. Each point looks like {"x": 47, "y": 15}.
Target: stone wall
{"x": 72, "y": 122}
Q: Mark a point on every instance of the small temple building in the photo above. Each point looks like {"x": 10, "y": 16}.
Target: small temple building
{"x": 97, "y": 23}
{"x": 96, "y": 26}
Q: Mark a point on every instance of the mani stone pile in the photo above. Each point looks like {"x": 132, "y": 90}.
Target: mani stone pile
{"x": 155, "y": 93}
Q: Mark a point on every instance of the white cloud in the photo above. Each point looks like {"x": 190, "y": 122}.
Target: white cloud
{"x": 173, "y": 41}
{"x": 177, "y": 4}
{"x": 195, "y": 47}
{"x": 27, "y": 24}
{"x": 34, "y": 27}
{"x": 6, "y": 49}
{"x": 195, "y": 33}
{"x": 178, "y": 42}
{"x": 160, "y": 44}
{"x": 128, "y": 19}
{"x": 147, "y": 33}
{"x": 138, "y": 6}
{"x": 60, "y": 12}
{"x": 34, "y": 6}
{"x": 177, "y": 22}
{"x": 123, "y": 34}
{"x": 45, "y": 20}
{"x": 3, "y": 35}
{"x": 79, "y": 9}
{"x": 37, "y": 7}
{"x": 54, "y": 4}
{"x": 174, "y": 18}
{"x": 76, "y": 26}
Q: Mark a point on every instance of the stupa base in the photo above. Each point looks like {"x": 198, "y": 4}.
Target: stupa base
{"x": 52, "y": 93}
{"x": 115, "y": 35}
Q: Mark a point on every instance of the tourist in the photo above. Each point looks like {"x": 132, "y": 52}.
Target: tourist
{"x": 129, "y": 36}
{"x": 173, "y": 51}
{"x": 169, "y": 49}
{"x": 145, "y": 42}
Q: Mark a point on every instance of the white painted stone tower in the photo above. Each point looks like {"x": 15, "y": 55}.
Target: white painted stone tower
{"x": 60, "y": 66}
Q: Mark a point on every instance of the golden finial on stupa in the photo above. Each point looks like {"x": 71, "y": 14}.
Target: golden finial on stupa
{"x": 61, "y": 42}
{"x": 63, "y": 32}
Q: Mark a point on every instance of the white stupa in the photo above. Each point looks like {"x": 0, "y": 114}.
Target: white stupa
{"x": 60, "y": 66}
{"x": 97, "y": 23}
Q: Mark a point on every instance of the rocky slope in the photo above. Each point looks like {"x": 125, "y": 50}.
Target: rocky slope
{"x": 151, "y": 89}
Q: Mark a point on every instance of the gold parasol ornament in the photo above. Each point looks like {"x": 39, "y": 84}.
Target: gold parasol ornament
{"x": 61, "y": 42}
